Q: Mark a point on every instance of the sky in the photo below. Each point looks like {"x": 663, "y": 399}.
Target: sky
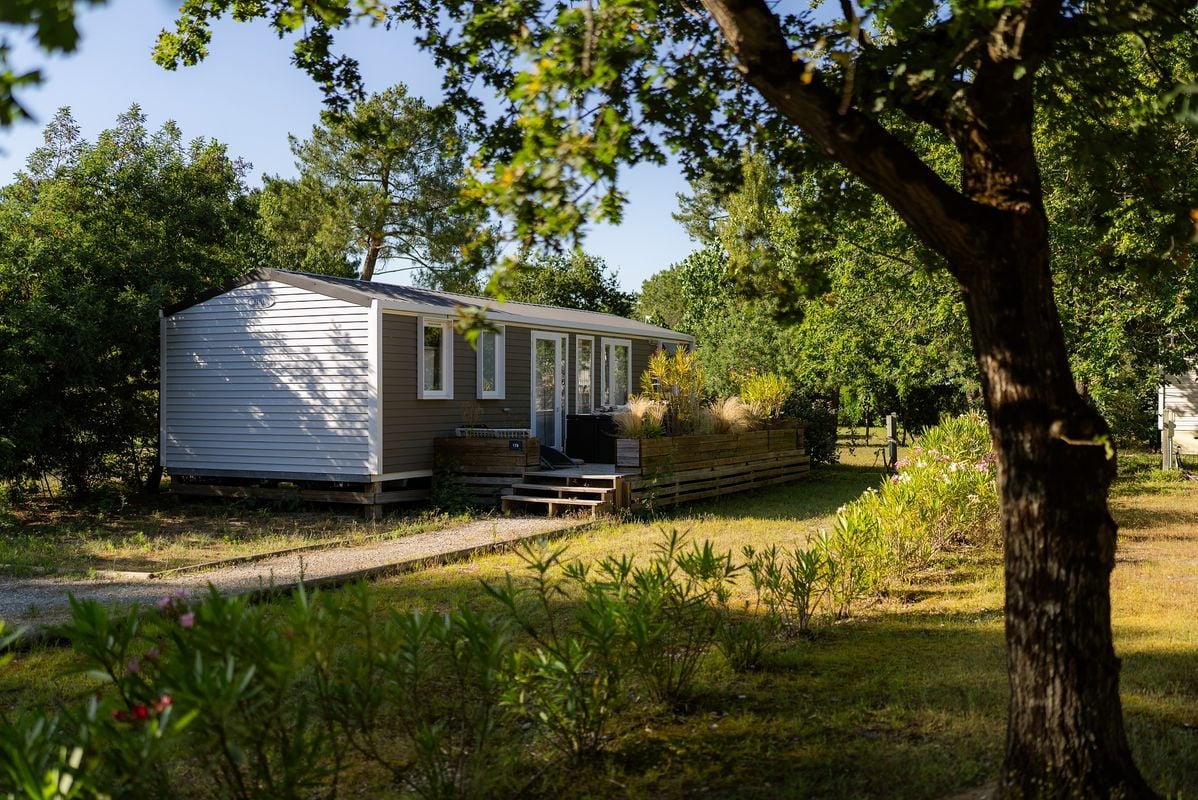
{"x": 248, "y": 96}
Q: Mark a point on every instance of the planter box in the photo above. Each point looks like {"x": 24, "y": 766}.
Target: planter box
{"x": 485, "y": 467}
{"x": 498, "y": 455}
{"x": 676, "y": 469}
{"x": 684, "y": 452}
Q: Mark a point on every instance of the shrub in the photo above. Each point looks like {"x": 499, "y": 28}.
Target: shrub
{"x": 448, "y": 492}
{"x": 964, "y": 438}
{"x": 817, "y": 414}
{"x": 437, "y": 680}
{"x": 668, "y": 613}
{"x": 766, "y": 394}
{"x": 852, "y": 554}
{"x": 570, "y": 683}
{"x": 269, "y": 699}
{"x": 676, "y": 382}
{"x": 943, "y": 494}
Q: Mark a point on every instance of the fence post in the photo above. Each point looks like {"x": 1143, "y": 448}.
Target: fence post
{"x": 891, "y": 442}
{"x": 1168, "y": 424}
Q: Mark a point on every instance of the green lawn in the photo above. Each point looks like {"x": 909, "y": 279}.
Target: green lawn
{"x": 906, "y": 701}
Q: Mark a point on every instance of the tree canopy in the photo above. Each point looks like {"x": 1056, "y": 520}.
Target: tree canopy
{"x": 572, "y": 280}
{"x": 380, "y": 186}
{"x": 95, "y": 238}
{"x": 54, "y": 30}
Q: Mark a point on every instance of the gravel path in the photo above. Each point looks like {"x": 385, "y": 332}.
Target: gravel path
{"x": 42, "y": 601}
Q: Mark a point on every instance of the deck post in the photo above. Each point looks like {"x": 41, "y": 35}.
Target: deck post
{"x": 374, "y": 509}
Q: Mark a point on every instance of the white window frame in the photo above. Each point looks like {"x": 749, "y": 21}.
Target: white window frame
{"x": 499, "y": 392}
{"x": 578, "y": 340}
{"x": 607, "y": 365}
{"x": 446, "y": 326}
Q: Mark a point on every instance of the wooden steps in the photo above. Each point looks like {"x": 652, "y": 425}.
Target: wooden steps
{"x": 563, "y": 491}
{"x": 569, "y": 490}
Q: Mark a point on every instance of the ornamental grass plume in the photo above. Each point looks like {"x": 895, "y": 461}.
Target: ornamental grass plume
{"x": 731, "y": 415}
{"x": 642, "y": 419}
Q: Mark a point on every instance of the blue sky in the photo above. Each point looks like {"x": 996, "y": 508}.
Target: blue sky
{"x": 249, "y": 96}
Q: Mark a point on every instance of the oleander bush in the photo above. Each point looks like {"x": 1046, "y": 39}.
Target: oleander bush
{"x": 248, "y": 701}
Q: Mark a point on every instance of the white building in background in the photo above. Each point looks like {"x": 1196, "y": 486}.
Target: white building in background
{"x": 1179, "y": 395}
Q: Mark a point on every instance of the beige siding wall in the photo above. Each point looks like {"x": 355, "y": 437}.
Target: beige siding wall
{"x": 410, "y": 425}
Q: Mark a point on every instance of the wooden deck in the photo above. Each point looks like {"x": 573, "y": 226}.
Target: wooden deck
{"x": 649, "y": 473}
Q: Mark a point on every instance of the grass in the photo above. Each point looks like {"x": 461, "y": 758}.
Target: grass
{"x": 50, "y": 536}
{"x": 906, "y": 701}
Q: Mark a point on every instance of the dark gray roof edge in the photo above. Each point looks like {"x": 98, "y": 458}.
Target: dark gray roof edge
{"x": 368, "y": 289}
{"x": 296, "y": 279}
{"x": 362, "y": 292}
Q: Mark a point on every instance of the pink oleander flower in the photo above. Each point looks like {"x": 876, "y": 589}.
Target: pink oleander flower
{"x": 187, "y": 620}
{"x": 163, "y": 704}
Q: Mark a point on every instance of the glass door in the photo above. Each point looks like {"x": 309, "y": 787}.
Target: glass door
{"x": 549, "y": 370}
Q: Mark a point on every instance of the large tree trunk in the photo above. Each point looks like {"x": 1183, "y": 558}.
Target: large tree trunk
{"x": 1065, "y": 735}
{"x": 373, "y": 247}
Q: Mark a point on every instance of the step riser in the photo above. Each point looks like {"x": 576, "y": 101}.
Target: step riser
{"x": 554, "y": 508}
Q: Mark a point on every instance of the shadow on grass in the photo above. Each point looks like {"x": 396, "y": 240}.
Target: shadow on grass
{"x": 906, "y": 704}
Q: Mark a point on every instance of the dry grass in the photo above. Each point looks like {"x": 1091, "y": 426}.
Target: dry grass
{"x": 49, "y": 536}
{"x": 730, "y": 415}
{"x": 909, "y": 699}
{"x": 642, "y": 416}
{"x": 906, "y": 701}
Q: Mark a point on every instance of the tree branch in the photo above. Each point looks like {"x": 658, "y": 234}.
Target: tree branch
{"x": 942, "y": 217}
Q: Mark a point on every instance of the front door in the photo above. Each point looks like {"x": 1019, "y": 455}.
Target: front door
{"x": 549, "y": 370}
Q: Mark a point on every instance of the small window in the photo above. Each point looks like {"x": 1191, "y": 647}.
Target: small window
{"x": 584, "y": 400}
{"x": 617, "y": 371}
{"x": 435, "y": 363}
{"x": 490, "y": 364}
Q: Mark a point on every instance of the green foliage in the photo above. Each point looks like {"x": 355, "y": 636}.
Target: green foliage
{"x": 573, "y": 280}
{"x": 54, "y": 31}
{"x": 272, "y": 699}
{"x": 676, "y": 381}
{"x": 570, "y": 684}
{"x": 767, "y": 393}
{"x": 435, "y": 679}
{"x": 667, "y": 612}
{"x": 944, "y": 494}
{"x": 817, "y": 414}
{"x": 661, "y": 300}
{"x": 379, "y": 186}
{"x": 95, "y": 238}
{"x": 448, "y": 492}
{"x": 791, "y": 585}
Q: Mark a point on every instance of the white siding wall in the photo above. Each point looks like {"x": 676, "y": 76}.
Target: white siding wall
{"x": 1180, "y": 394}
{"x": 268, "y": 380}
